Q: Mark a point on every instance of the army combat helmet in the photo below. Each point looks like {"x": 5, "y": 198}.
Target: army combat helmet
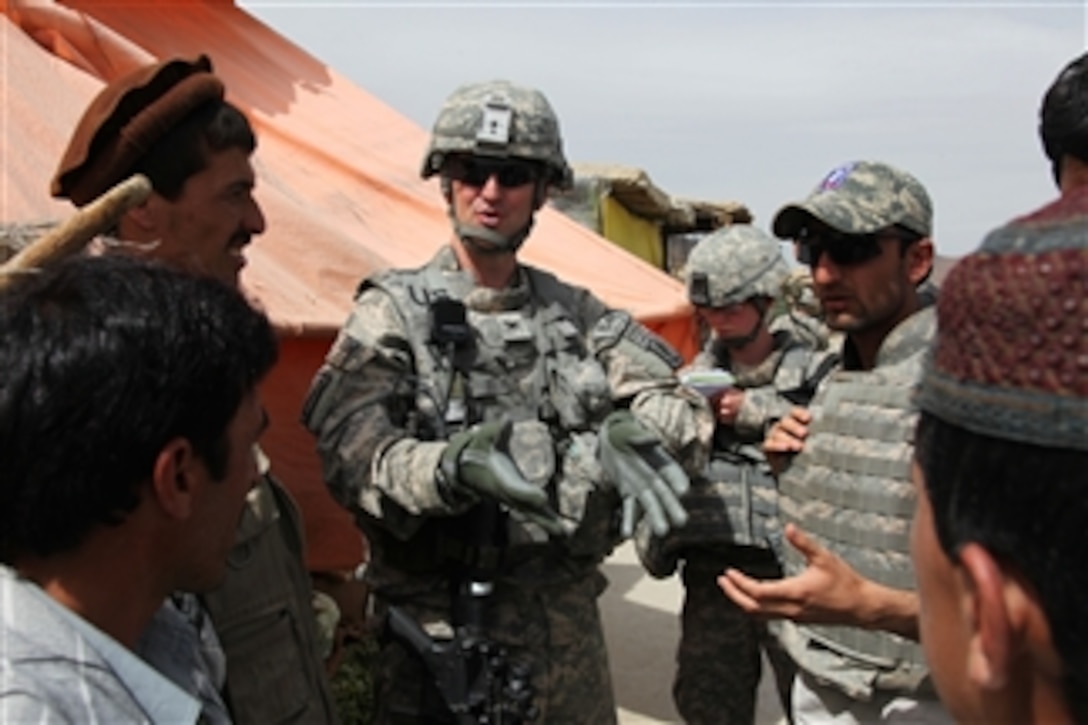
{"x": 500, "y": 120}
{"x": 733, "y": 265}
{"x": 738, "y": 263}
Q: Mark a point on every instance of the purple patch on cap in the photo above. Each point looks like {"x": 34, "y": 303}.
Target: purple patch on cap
{"x": 836, "y": 177}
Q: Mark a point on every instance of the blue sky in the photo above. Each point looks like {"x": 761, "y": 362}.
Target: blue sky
{"x": 751, "y": 101}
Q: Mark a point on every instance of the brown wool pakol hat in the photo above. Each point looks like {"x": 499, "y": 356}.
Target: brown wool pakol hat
{"x": 1011, "y": 356}
{"x": 125, "y": 119}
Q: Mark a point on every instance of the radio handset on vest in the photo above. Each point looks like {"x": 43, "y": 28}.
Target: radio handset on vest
{"x": 449, "y": 323}
{"x": 452, "y": 335}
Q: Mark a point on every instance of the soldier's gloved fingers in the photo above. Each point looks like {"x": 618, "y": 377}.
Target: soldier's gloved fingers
{"x": 673, "y": 475}
{"x": 506, "y": 481}
{"x": 630, "y": 516}
{"x": 548, "y": 520}
{"x": 670, "y": 502}
{"x": 653, "y": 511}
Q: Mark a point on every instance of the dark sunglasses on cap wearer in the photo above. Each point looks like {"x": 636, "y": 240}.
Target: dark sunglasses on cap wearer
{"x": 475, "y": 171}
{"x": 845, "y": 250}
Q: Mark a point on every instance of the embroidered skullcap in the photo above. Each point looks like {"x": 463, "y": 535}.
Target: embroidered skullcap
{"x": 1011, "y": 356}
{"x": 126, "y": 119}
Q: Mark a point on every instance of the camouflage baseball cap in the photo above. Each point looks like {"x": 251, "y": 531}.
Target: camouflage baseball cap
{"x": 861, "y": 197}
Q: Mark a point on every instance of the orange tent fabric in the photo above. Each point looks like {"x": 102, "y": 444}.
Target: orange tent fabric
{"x": 338, "y": 177}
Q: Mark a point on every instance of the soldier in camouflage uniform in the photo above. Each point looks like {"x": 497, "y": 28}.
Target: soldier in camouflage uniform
{"x": 733, "y": 278}
{"x": 477, "y": 380}
{"x": 846, "y": 498}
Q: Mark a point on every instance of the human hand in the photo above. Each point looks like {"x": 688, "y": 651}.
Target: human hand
{"x": 727, "y": 405}
{"x": 478, "y": 460}
{"x": 786, "y": 437}
{"x": 828, "y": 591}
{"x": 649, "y": 481}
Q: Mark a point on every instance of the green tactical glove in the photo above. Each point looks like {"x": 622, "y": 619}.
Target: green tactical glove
{"x": 478, "y": 460}
{"x": 646, "y": 476}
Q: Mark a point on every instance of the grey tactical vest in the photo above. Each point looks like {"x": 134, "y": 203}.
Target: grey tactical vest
{"x": 529, "y": 363}
{"x": 851, "y": 489}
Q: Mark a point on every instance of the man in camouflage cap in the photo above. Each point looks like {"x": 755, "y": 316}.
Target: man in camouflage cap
{"x": 1002, "y": 454}
{"x": 849, "y": 613}
{"x": 486, "y": 423}
{"x": 733, "y": 278}
{"x": 171, "y": 122}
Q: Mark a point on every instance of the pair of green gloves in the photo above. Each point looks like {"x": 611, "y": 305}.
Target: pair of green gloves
{"x": 649, "y": 481}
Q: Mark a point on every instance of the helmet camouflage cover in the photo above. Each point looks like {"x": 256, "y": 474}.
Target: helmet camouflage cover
{"x": 733, "y": 265}
{"x": 499, "y": 119}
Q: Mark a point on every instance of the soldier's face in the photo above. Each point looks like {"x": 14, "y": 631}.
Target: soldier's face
{"x": 497, "y": 196}
{"x": 730, "y": 321}
{"x": 207, "y": 228}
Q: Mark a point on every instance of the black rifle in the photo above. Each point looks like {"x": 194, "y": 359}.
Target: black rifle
{"x": 473, "y": 676}
{"x": 476, "y": 681}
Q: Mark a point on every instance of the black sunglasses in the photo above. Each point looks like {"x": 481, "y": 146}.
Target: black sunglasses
{"x": 475, "y": 172}
{"x": 845, "y": 250}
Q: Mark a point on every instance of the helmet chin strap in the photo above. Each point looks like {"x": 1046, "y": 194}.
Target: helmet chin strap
{"x": 487, "y": 241}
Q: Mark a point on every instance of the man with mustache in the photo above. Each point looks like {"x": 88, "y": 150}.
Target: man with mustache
{"x": 170, "y": 122}
{"x": 849, "y": 613}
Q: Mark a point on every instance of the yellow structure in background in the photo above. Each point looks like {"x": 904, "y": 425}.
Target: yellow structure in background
{"x": 638, "y": 235}
{"x": 623, "y": 205}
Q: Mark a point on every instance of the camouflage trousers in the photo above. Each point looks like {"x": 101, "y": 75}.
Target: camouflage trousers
{"x": 550, "y": 624}
{"x": 718, "y": 659}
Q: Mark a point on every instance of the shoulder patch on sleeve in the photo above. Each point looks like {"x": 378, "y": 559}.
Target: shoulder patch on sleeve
{"x": 618, "y": 325}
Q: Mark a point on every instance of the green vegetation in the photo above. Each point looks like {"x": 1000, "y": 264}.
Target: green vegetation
{"x": 352, "y": 685}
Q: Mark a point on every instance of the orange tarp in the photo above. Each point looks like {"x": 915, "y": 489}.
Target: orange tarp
{"x": 338, "y": 178}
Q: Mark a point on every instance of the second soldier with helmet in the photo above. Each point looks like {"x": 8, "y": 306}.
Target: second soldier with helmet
{"x": 496, "y": 431}
{"x": 733, "y": 279}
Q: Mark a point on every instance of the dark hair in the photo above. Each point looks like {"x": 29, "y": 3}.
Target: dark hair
{"x": 184, "y": 150}
{"x": 105, "y": 360}
{"x": 1028, "y": 506}
{"x": 1063, "y": 118}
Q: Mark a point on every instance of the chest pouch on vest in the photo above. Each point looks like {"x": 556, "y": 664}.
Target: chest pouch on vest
{"x": 580, "y": 395}
{"x": 508, "y": 337}
{"x": 577, "y": 383}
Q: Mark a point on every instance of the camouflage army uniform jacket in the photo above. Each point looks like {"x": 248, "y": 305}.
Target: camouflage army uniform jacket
{"x": 734, "y": 500}
{"x": 549, "y": 355}
{"x": 850, "y": 489}
{"x": 554, "y": 360}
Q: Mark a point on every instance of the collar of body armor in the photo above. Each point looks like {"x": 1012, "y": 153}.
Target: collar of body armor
{"x": 514, "y": 297}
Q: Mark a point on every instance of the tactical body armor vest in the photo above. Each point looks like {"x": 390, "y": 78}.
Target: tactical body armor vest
{"x": 530, "y": 362}
{"x": 734, "y": 501}
{"x": 851, "y": 489}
